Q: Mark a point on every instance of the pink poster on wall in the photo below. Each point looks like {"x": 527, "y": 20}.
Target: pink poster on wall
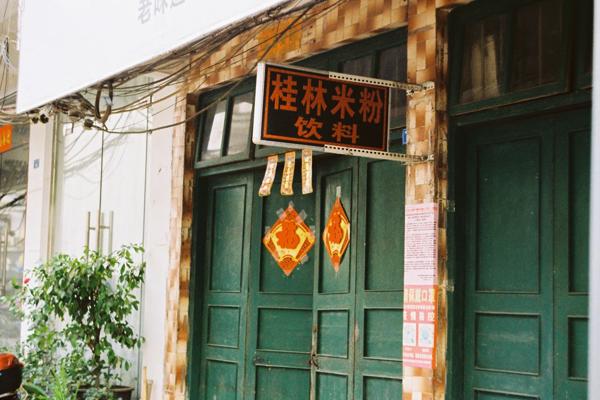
{"x": 420, "y": 285}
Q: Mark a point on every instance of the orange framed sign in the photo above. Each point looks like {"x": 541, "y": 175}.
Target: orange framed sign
{"x": 306, "y": 108}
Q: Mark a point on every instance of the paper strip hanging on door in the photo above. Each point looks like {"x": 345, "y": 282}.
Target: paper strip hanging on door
{"x": 270, "y": 172}
{"x": 287, "y": 180}
{"x": 307, "y": 166}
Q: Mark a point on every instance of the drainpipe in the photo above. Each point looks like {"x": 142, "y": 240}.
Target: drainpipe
{"x": 594, "y": 265}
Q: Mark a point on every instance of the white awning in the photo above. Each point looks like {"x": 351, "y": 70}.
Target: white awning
{"x": 69, "y": 45}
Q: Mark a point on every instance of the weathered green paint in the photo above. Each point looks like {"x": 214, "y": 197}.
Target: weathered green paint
{"x": 260, "y": 327}
{"x": 222, "y": 307}
{"x": 380, "y": 280}
{"x": 572, "y": 204}
{"x": 526, "y": 201}
{"x": 279, "y": 326}
{"x": 334, "y": 292}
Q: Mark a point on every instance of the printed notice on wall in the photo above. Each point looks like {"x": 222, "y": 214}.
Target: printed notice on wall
{"x": 420, "y": 282}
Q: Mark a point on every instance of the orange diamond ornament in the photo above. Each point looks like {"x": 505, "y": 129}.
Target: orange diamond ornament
{"x": 336, "y": 235}
{"x": 289, "y": 240}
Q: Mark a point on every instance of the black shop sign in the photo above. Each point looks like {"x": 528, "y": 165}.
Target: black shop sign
{"x": 298, "y": 108}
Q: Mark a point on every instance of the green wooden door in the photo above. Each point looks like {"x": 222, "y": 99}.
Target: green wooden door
{"x": 317, "y": 333}
{"x": 357, "y": 315}
{"x": 379, "y": 281}
{"x": 525, "y": 221}
{"x": 224, "y": 250}
{"x": 334, "y": 292}
{"x": 279, "y": 326}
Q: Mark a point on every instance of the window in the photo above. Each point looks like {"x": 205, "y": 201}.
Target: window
{"x": 13, "y": 191}
{"x": 392, "y": 66}
{"x": 241, "y": 123}
{"x": 482, "y": 70}
{"x": 225, "y": 128}
{"x": 536, "y": 52}
{"x": 507, "y": 51}
{"x": 214, "y": 127}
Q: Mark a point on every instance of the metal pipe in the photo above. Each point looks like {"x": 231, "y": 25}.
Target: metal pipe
{"x": 87, "y": 229}
{"x": 111, "y": 217}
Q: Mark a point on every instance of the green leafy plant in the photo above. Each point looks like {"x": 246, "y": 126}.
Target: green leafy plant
{"x": 77, "y": 309}
{"x": 60, "y": 389}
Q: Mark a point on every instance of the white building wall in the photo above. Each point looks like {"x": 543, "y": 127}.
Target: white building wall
{"x": 156, "y": 242}
{"x": 152, "y": 227}
{"x": 39, "y": 187}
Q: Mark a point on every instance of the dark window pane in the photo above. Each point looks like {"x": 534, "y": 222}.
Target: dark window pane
{"x": 241, "y": 120}
{"x": 482, "y": 71}
{"x": 212, "y": 132}
{"x": 358, "y": 66}
{"x": 392, "y": 66}
{"x": 13, "y": 169}
{"x": 537, "y": 37}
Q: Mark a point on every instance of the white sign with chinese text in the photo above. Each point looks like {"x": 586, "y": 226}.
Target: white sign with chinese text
{"x": 69, "y": 45}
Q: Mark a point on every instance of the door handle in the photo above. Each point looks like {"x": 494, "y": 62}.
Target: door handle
{"x": 109, "y": 227}
{"x": 88, "y": 228}
{"x": 100, "y": 226}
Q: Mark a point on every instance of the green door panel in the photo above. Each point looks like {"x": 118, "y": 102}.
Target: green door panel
{"x": 317, "y": 332}
{"x": 220, "y": 278}
{"x": 280, "y": 314}
{"x": 508, "y": 315}
{"x": 525, "y": 219}
{"x": 331, "y": 386}
{"x": 282, "y": 383}
{"x": 572, "y": 245}
{"x": 221, "y": 380}
{"x": 379, "y": 281}
{"x": 334, "y": 298}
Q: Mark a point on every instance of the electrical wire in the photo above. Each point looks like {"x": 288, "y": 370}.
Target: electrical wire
{"x": 187, "y": 65}
{"x": 226, "y": 93}
{"x": 181, "y": 74}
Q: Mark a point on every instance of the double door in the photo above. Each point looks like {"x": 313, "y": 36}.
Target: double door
{"x": 318, "y": 333}
{"x": 525, "y": 257}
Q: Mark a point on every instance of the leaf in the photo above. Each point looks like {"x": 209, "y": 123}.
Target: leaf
{"x": 35, "y": 390}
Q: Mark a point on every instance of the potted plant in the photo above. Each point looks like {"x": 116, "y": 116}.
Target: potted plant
{"x": 78, "y": 310}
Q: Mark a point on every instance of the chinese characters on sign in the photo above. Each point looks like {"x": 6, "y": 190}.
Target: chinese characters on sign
{"x": 420, "y": 283}
{"x": 149, "y": 8}
{"x": 307, "y": 108}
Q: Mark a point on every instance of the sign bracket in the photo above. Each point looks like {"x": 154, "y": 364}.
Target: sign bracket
{"x": 408, "y": 87}
{"x": 405, "y": 159}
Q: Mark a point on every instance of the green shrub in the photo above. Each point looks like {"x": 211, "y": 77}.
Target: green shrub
{"x": 76, "y": 309}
